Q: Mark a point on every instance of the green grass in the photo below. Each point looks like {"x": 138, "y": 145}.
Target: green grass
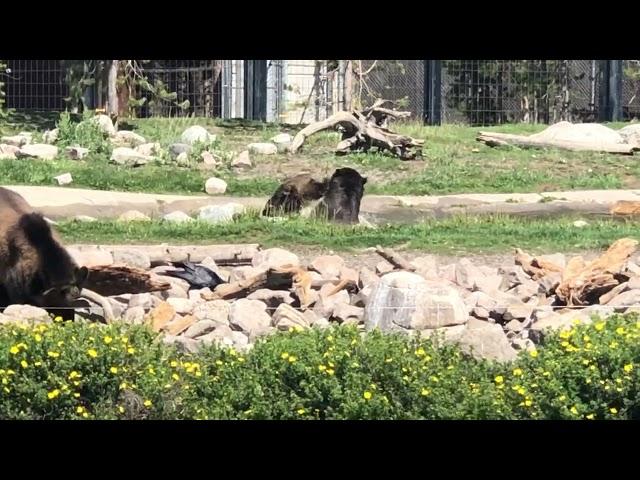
{"x": 453, "y": 162}
{"x": 453, "y": 235}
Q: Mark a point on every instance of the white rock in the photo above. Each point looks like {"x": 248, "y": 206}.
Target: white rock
{"x": 242, "y": 160}
{"x": 41, "y": 151}
{"x": 50, "y": 136}
{"x": 133, "y": 216}
{"x": 195, "y": 134}
{"x": 16, "y": 140}
{"x": 215, "y": 186}
{"x": 76, "y": 153}
{"x": 105, "y": 124}
{"x": 128, "y": 138}
{"x": 177, "y": 217}
{"x": 263, "y": 148}
{"x": 128, "y": 156}
{"x": 64, "y": 179}
{"x": 220, "y": 213}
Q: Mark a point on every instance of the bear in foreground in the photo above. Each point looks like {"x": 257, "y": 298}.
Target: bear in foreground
{"x": 35, "y": 269}
{"x": 293, "y": 193}
{"x": 341, "y": 202}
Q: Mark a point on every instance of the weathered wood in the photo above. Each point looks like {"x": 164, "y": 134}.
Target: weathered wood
{"x": 108, "y": 280}
{"x": 597, "y": 277}
{"x": 164, "y": 254}
{"x": 270, "y": 279}
{"x": 100, "y": 300}
{"x": 625, "y": 207}
{"x": 536, "y": 267}
{"x": 493, "y": 139}
{"x": 364, "y": 130}
{"x": 395, "y": 259}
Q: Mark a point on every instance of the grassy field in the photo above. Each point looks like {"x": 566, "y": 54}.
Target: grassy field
{"x": 457, "y": 235}
{"x": 453, "y": 162}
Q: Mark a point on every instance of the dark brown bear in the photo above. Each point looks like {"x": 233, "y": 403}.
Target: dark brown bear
{"x": 294, "y": 192}
{"x": 341, "y": 202}
{"x": 35, "y": 269}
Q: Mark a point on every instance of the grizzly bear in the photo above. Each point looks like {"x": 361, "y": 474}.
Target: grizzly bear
{"x": 293, "y": 193}
{"x": 341, "y": 201}
{"x": 35, "y": 269}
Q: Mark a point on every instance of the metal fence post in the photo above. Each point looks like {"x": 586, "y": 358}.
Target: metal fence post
{"x": 256, "y": 90}
{"x": 611, "y": 91}
{"x": 432, "y": 92}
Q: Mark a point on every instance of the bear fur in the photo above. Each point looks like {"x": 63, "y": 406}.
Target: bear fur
{"x": 341, "y": 202}
{"x": 35, "y": 269}
{"x": 293, "y": 193}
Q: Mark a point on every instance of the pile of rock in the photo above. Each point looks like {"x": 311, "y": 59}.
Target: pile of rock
{"x": 490, "y": 312}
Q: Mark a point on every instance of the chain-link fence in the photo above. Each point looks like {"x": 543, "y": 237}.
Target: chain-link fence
{"x": 474, "y": 92}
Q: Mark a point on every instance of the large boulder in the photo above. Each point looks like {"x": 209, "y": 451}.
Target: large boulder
{"x": 404, "y": 301}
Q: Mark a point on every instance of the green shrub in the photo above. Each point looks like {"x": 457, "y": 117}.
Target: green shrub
{"x": 79, "y": 370}
{"x": 86, "y": 134}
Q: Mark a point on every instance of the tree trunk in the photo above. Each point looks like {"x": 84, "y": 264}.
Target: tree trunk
{"x": 112, "y": 88}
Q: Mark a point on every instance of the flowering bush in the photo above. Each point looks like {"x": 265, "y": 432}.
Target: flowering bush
{"x": 89, "y": 371}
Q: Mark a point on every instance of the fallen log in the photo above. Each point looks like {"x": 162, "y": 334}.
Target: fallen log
{"x": 581, "y": 282}
{"x": 494, "y": 139}
{"x": 165, "y": 254}
{"x": 270, "y": 279}
{"x": 109, "y": 280}
{"x": 363, "y": 130}
{"x": 100, "y": 300}
{"x": 395, "y": 259}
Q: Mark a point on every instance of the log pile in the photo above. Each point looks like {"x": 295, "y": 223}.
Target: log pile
{"x": 366, "y": 129}
{"x": 584, "y": 283}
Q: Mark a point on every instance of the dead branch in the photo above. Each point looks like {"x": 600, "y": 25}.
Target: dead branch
{"x": 100, "y": 300}
{"x": 363, "y": 130}
{"x": 395, "y": 259}
{"x": 494, "y": 139}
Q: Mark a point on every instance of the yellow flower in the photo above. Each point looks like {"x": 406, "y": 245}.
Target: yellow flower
{"x": 367, "y": 395}
{"x": 107, "y": 339}
{"x": 528, "y": 403}
{"x": 53, "y": 354}
{"x": 122, "y": 386}
{"x": 499, "y": 379}
{"x": 420, "y": 352}
{"x": 73, "y": 375}
{"x": 330, "y": 338}
{"x": 561, "y": 398}
{"x": 613, "y": 410}
{"x": 147, "y": 403}
{"x": 24, "y": 364}
{"x": 591, "y": 416}
{"x": 322, "y": 368}
{"x": 599, "y": 326}
{"x": 76, "y": 395}
{"x": 292, "y": 359}
{"x": 131, "y": 350}
{"x": 80, "y": 409}
{"x": 121, "y": 409}
{"x": 53, "y": 394}
{"x": 517, "y": 372}
{"x": 175, "y": 376}
{"x": 628, "y": 367}
{"x": 219, "y": 362}
{"x": 574, "y": 410}
{"x": 57, "y": 319}
{"x": 301, "y": 411}
{"x": 284, "y": 355}
{"x": 330, "y": 371}
{"x": 113, "y": 369}
{"x": 620, "y": 331}
{"x": 37, "y": 337}
{"x": 92, "y": 353}
{"x": 424, "y": 392}
{"x": 533, "y": 353}
{"x": 14, "y": 350}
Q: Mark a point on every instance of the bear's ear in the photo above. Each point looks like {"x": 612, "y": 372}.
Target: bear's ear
{"x": 364, "y": 180}
{"x": 81, "y": 275}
